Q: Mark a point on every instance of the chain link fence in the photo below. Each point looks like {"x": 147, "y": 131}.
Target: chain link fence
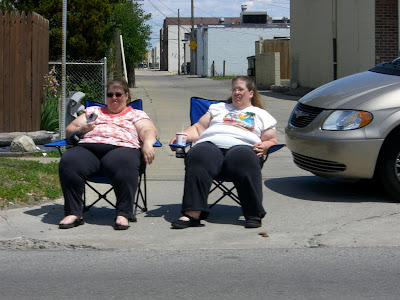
{"x": 89, "y": 77}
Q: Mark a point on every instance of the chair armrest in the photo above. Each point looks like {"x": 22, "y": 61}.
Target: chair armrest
{"x": 180, "y": 150}
{"x": 59, "y": 143}
{"x": 274, "y": 148}
{"x": 271, "y": 149}
{"x": 179, "y": 146}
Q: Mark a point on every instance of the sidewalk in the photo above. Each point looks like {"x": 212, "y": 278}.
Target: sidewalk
{"x": 303, "y": 210}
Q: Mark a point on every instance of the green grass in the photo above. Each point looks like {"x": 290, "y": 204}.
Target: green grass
{"x": 26, "y": 182}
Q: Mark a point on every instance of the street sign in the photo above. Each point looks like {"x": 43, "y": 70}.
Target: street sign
{"x": 193, "y": 45}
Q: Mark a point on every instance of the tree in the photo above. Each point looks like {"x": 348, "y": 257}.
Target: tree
{"x": 88, "y": 25}
{"x": 91, "y": 27}
{"x": 129, "y": 18}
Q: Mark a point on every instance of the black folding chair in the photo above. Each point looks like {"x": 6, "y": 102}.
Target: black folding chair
{"x": 198, "y": 107}
{"x": 141, "y": 193}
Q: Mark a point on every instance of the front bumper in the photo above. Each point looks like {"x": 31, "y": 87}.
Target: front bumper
{"x": 334, "y": 154}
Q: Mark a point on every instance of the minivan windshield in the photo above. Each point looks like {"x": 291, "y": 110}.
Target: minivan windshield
{"x": 390, "y": 68}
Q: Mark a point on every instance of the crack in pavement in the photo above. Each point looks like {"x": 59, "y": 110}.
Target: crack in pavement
{"x": 24, "y": 244}
{"x": 313, "y": 242}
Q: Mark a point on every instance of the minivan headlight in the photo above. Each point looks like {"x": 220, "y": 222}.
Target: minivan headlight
{"x": 347, "y": 120}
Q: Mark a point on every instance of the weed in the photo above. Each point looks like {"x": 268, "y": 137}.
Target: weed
{"x": 27, "y": 182}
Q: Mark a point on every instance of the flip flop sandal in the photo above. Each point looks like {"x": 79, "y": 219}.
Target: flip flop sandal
{"x": 76, "y": 223}
{"x": 120, "y": 227}
{"x": 180, "y": 224}
{"x": 252, "y": 223}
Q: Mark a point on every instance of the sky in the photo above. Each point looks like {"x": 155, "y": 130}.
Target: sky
{"x": 161, "y": 9}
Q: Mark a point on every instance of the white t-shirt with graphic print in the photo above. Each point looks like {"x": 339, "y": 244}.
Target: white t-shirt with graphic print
{"x": 230, "y": 126}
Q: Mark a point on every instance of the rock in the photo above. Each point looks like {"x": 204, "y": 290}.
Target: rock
{"x": 23, "y": 143}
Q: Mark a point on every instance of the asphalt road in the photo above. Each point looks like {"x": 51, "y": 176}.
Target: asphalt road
{"x": 328, "y": 273}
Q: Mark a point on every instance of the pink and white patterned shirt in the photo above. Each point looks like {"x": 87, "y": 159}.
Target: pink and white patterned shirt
{"x": 115, "y": 129}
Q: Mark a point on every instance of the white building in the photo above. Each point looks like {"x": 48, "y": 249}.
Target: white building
{"x": 223, "y": 49}
{"x": 154, "y": 57}
{"x": 174, "y": 50}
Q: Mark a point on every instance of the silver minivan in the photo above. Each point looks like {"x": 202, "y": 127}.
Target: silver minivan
{"x": 350, "y": 128}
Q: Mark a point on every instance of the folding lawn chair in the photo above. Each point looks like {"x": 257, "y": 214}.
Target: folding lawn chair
{"x": 198, "y": 107}
{"x": 141, "y": 193}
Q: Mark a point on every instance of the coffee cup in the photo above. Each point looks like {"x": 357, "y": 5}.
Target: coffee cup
{"x": 181, "y": 138}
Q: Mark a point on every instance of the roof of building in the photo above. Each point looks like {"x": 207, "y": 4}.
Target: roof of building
{"x": 199, "y": 20}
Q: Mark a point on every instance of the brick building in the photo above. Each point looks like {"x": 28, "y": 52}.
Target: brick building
{"x": 386, "y": 30}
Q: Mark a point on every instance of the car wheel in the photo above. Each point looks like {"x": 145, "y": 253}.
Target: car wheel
{"x": 388, "y": 168}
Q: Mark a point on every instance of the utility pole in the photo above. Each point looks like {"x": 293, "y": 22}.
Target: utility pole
{"x": 63, "y": 69}
{"x": 179, "y": 46}
{"x": 192, "y": 60}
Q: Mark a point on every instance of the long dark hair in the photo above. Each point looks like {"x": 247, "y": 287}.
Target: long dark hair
{"x": 251, "y": 86}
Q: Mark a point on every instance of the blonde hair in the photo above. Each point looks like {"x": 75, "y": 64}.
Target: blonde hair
{"x": 251, "y": 86}
{"x": 121, "y": 82}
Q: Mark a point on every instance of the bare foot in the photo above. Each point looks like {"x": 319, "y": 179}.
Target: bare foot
{"x": 121, "y": 221}
{"x": 193, "y": 213}
{"x": 69, "y": 219}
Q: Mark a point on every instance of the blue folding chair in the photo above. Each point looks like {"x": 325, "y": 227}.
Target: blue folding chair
{"x": 198, "y": 107}
{"x": 141, "y": 193}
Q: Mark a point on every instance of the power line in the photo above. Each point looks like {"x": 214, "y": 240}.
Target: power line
{"x": 152, "y": 4}
{"x": 205, "y": 11}
{"x": 167, "y": 7}
{"x": 269, "y": 3}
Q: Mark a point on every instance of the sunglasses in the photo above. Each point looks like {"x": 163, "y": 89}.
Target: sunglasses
{"x": 110, "y": 95}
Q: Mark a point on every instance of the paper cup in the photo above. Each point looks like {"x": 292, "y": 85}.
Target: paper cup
{"x": 181, "y": 138}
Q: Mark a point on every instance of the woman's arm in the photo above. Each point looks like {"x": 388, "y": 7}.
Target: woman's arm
{"x": 268, "y": 139}
{"x": 193, "y": 132}
{"x": 79, "y": 126}
{"x": 148, "y": 135}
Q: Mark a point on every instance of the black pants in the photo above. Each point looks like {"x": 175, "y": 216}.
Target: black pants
{"x": 120, "y": 164}
{"x": 240, "y": 164}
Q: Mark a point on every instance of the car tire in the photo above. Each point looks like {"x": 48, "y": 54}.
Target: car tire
{"x": 388, "y": 167}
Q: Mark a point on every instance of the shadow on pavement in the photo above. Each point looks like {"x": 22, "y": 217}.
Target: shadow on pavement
{"x": 53, "y": 213}
{"x": 315, "y": 188}
{"x": 220, "y": 214}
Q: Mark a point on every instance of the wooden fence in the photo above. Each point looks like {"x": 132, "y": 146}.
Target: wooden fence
{"x": 24, "y": 57}
{"x": 281, "y": 46}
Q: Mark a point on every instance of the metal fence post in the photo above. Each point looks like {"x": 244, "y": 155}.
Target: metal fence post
{"x": 105, "y": 78}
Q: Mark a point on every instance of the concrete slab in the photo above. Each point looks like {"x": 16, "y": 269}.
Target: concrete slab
{"x": 303, "y": 210}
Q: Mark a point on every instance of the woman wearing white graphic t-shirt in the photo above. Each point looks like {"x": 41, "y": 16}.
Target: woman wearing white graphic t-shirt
{"x": 230, "y": 140}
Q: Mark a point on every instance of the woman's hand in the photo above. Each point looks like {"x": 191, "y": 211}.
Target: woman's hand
{"x": 148, "y": 152}
{"x": 79, "y": 126}
{"x": 147, "y": 134}
{"x": 261, "y": 148}
{"x": 268, "y": 139}
{"x": 173, "y": 141}
{"x": 88, "y": 127}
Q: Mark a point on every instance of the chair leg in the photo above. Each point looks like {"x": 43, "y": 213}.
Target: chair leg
{"x": 99, "y": 197}
{"x": 225, "y": 192}
{"x": 140, "y": 195}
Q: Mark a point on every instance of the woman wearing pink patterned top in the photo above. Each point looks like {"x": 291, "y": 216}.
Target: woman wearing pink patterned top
{"x": 112, "y": 145}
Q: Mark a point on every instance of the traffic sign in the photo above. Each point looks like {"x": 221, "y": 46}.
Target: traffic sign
{"x": 193, "y": 45}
